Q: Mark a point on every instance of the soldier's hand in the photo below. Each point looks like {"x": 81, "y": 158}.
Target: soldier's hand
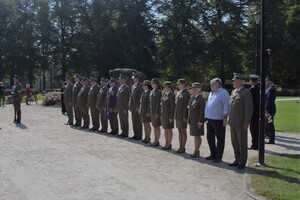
{"x": 110, "y": 110}
{"x": 148, "y": 115}
{"x": 184, "y": 120}
{"x": 124, "y": 111}
{"x": 156, "y": 116}
{"x": 170, "y": 120}
{"x": 137, "y": 110}
{"x": 200, "y": 125}
{"x": 225, "y": 122}
{"x": 246, "y": 126}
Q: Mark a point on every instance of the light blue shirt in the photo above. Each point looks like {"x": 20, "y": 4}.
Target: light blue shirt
{"x": 217, "y": 105}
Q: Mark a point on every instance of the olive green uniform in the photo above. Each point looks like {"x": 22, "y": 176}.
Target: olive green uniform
{"x": 136, "y": 92}
{"x": 122, "y": 107}
{"x": 83, "y": 107}
{"x": 101, "y": 105}
{"x": 68, "y": 102}
{"x": 145, "y": 106}
{"x": 17, "y": 99}
{"x": 92, "y": 100}
{"x": 76, "y": 88}
{"x": 167, "y": 110}
{"x": 196, "y": 115}
{"x": 154, "y": 102}
{"x": 181, "y": 110}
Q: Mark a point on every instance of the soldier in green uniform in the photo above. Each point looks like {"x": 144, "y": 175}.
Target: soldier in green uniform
{"x": 136, "y": 92}
{"x": 145, "y": 110}
{"x": 240, "y": 114}
{"x": 76, "y": 88}
{"x": 167, "y": 113}
{"x": 17, "y": 99}
{"x": 196, "y": 116}
{"x": 68, "y": 99}
{"x": 92, "y": 100}
{"x": 181, "y": 113}
{"x": 82, "y": 103}
{"x": 122, "y": 106}
{"x": 155, "y": 111}
{"x": 101, "y": 104}
{"x": 111, "y": 107}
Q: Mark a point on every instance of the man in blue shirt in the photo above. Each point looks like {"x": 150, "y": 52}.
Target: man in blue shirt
{"x": 270, "y": 108}
{"x": 216, "y": 112}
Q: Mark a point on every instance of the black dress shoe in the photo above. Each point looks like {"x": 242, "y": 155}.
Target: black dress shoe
{"x": 133, "y": 137}
{"x": 84, "y": 127}
{"x": 234, "y": 164}
{"x": 103, "y": 131}
{"x": 145, "y": 141}
{"x": 217, "y": 160}
{"x": 122, "y": 135}
{"x": 270, "y": 142}
{"x": 112, "y": 133}
{"x": 241, "y": 167}
{"x": 93, "y": 129}
{"x": 137, "y": 138}
{"x": 195, "y": 154}
{"x": 167, "y": 148}
{"x": 253, "y": 147}
{"x": 68, "y": 123}
{"x": 77, "y": 125}
{"x": 155, "y": 144}
{"x": 210, "y": 158}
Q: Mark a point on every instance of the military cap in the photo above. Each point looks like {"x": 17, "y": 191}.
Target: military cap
{"x": 93, "y": 78}
{"x": 84, "y": 79}
{"x": 136, "y": 75}
{"x": 168, "y": 84}
{"x": 103, "y": 80}
{"x": 17, "y": 77}
{"x": 77, "y": 76}
{"x": 122, "y": 77}
{"x": 237, "y": 76}
{"x": 146, "y": 82}
{"x": 253, "y": 76}
{"x": 269, "y": 78}
{"x": 155, "y": 80}
{"x": 182, "y": 81}
{"x": 112, "y": 79}
{"x": 68, "y": 77}
{"x": 196, "y": 85}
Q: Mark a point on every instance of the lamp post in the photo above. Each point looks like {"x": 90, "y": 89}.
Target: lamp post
{"x": 257, "y": 18}
{"x": 261, "y": 141}
{"x": 268, "y": 53}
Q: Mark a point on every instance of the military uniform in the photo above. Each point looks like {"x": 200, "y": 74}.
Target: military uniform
{"x": 123, "y": 95}
{"x": 196, "y": 108}
{"x": 145, "y": 107}
{"x": 271, "y": 109}
{"x": 181, "y": 111}
{"x": 17, "y": 99}
{"x": 111, "y": 109}
{"x": 154, "y": 104}
{"x": 76, "y": 88}
{"x": 136, "y": 92}
{"x": 92, "y": 100}
{"x": 68, "y": 102}
{"x": 254, "y": 126}
{"x": 241, "y": 108}
{"x": 101, "y": 105}
{"x": 167, "y": 110}
{"x": 83, "y": 107}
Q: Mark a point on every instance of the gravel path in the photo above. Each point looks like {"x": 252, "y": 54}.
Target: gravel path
{"x": 44, "y": 159}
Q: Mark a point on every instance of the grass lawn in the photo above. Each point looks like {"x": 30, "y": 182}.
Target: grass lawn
{"x": 287, "y": 117}
{"x": 279, "y": 180}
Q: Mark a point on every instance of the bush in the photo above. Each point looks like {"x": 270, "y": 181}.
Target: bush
{"x": 52, "y": 98}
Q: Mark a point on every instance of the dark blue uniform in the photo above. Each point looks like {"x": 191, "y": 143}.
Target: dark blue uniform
{"x": 271, "y": 109}
{"x": 254, "y": 126}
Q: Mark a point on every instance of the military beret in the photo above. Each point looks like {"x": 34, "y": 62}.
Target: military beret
{"x": 77, "y": 76}
{"x": 146, "y": 82}
{"x": 269, "y": 78}
{"x": 17, "y": 77}
{"x": 168, "y": 84}
{"x": 93, "y": 78}
{"x": 182, "y": 81}
{"x": 135, "y": 75}
{"x": 237, "y": 76}
{"x": 123, "y": 77}
{"x": 196, "y": 85}
{"x": 112, "y": 79}
{"x": 155, "y": 80}
{"x": 253, "y": 76}
{"x": 103, "y": 80}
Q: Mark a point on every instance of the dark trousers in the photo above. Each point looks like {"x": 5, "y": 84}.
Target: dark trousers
{"x": 124, "y": 122}
{"x": 69, "y": 110}
{"x": 77, "y": 115}
{"x": 84, "y": 113}
{"x": 103, "y": 116}
{"x": 95, "y": 117}
{"x": 254, "y": 129}
{"x": 270, "y": 130}
{"x": 17, "y": 109}
{"x": 137, "y": 124}
{"x": 216, "y": 130}
{"x": 114, "y": 124}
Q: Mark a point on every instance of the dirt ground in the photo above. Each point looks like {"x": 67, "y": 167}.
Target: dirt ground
{"x": 43, "y": 159}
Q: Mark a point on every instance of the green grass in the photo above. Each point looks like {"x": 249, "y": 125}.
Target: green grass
{"x": 279, "y": 180}
{"x": 286, "y": 97}
{"x": 287, "y": 117}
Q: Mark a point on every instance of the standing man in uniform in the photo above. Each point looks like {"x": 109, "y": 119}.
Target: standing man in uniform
{"x": 17, "y": 99}
{"x": 82, "y": 103}
{"x": 68, "y": 99}
{"x": 123, "y": 105}
{"x": 136, "y": 92}
{"x": 216, "y": 113}
{"x": 241, "y": 108}
{"x": 101, "y": 104}
{"x": 254, "y": 126}
{"x": 111, "y": 107}
{"x": 92, "y": 100}
{"x": 270, "y": 109}
{"x": 76, "y": 88}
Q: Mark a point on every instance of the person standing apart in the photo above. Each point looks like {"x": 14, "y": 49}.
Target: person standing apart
{"x": 181, "y": 113}
{"x": 144, "y": 110}
{"x": 92, "y": 100}
{"x": 270, "y": 109}
{"x": 167, "y": 114}
{"x": 62, "y": 98}
{"x": 2, "y": 94}
{"x": 123, "y": 105}
{"x": 241, "y": 108}
{"x": 68, "y": 100}
{"x": 76, "y": 88}
{"x": 111, "y": 107}
{"x": 17, "y": 99}
{"x": 136, "y": 92}
{"x": 101, "y": 104}
{"x": 155, "y": 110}
{"x": 196, "y": 117}
{"x": 216, "y": 113}
{"x": 82, "y": 103}
{"x": 254, "y": 125}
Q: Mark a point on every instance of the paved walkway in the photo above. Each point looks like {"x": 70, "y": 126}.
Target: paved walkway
{"x": 44, "y": 159}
